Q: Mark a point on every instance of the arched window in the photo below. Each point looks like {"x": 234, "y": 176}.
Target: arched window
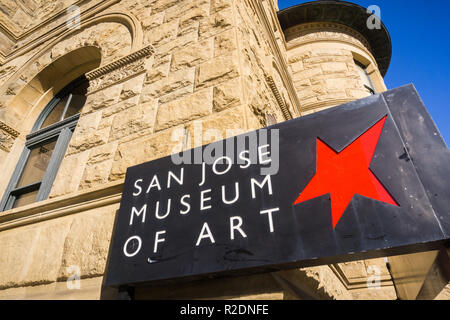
{"x": 45, "y": 147}
{"x": 365, "y": 78}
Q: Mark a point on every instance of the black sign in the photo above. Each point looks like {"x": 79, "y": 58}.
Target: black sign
{"x": 366, "y": 179}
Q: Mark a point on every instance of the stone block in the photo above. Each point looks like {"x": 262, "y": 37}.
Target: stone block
{"x": 133, "y": 120}
{"x": 13, "y": 262}
{"x": 194, "y": 14}
{"x": 181, "y": 41}
{"x": 216, "y": 23}
{"x": 86, "y": 128}
{"x": 196, "y": 105}
{"x": 225, "y": 43}
{"x": 177, "y": 94}
{"x": 153, "y": 21}
{"x": 192, "y": 55}
{"x": 160, "y": 68}
{"x": 319, "y": 80}
{"x": 191, "y": 27}
{"x": 98, "y": 166}
{"x": 357, "y": 93}
{"x": 340, "y": 83}
{"x": 300, "y": 56}
{"x": 381, "y": 293}
{"x": 332, "y": 96}
{"x": 303, "y": 83}
{"x": 87, "y": 242}
{"x": 47, "y": 252}
{"x": 92, "y": 138}
{"x": 103, "y": 98}
{"x": 216, "y": 70}
{"x": 185, "y": 9}
{"x": 313, "y": 91}
{"x": 218, "y": 5}
{"x": 218, "y": 126}
{"x": 175, "y": 80}
{"x": 161, "y": 5}
{"x": 163, "y": 33}
{"x": 323, "y": 59}
{"x": 227, "y": 95}
{"x": 31, "y": 255}
{"x": 319, "y": 281}
{"x": 297, "y": 66}
{"x": 320, "y": 52}
{"x": 308, "y": 102}
{"x": 69, "y": 174}
{"x": 103, "y": 152}
{"x": 96, "y": 174}
{"x": 334, "y": 67}
{"x": 144, "y": 149}
{"x": 308, "y": 73}
{"x": 90, "y": 289}
{"x": 444, "y": 294}
{"x": 132, "y": 87}
{"x": 380, "y": 264}
{"x": 121, "y": 106}
{"x": 354, "y": 269}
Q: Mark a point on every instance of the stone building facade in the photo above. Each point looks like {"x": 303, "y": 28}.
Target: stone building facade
{"x": 156, "y": 70}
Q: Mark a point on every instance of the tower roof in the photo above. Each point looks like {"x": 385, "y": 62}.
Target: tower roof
{"x": 345, "y": 13}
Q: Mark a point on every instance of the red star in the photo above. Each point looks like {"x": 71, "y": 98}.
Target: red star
{"x": 347, "y": 173}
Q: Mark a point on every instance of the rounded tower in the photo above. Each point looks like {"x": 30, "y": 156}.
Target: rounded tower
{"x": 337, "y": 52}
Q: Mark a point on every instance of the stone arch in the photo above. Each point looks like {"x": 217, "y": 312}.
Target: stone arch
{"x": 92, "y": 32}
{"x": 26, "y": 106}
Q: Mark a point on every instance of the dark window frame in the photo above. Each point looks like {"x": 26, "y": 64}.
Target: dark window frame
{"x": 371, "y": 89}
{"x": 60, "y": 131}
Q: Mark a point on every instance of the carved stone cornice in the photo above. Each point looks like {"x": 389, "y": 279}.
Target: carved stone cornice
{"x": 279, "y": 55}
{"x": 7, "y": 136}
{"x": 119, "y": 70}
{"x": 287, "y": 115}
{"x": 317, "y": 31}
{"x": 344, "y": 13}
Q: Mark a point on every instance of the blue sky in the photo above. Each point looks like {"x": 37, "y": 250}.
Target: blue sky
{"x": 419, "y": 32}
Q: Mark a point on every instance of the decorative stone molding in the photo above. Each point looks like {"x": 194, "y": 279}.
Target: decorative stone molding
{"x": 287, "y": 115}
{"x": 317, "y": 31}
{"x": 7, "y": 136}
{"x": 278, "y": 54}
{"x": 119, "y": 70}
